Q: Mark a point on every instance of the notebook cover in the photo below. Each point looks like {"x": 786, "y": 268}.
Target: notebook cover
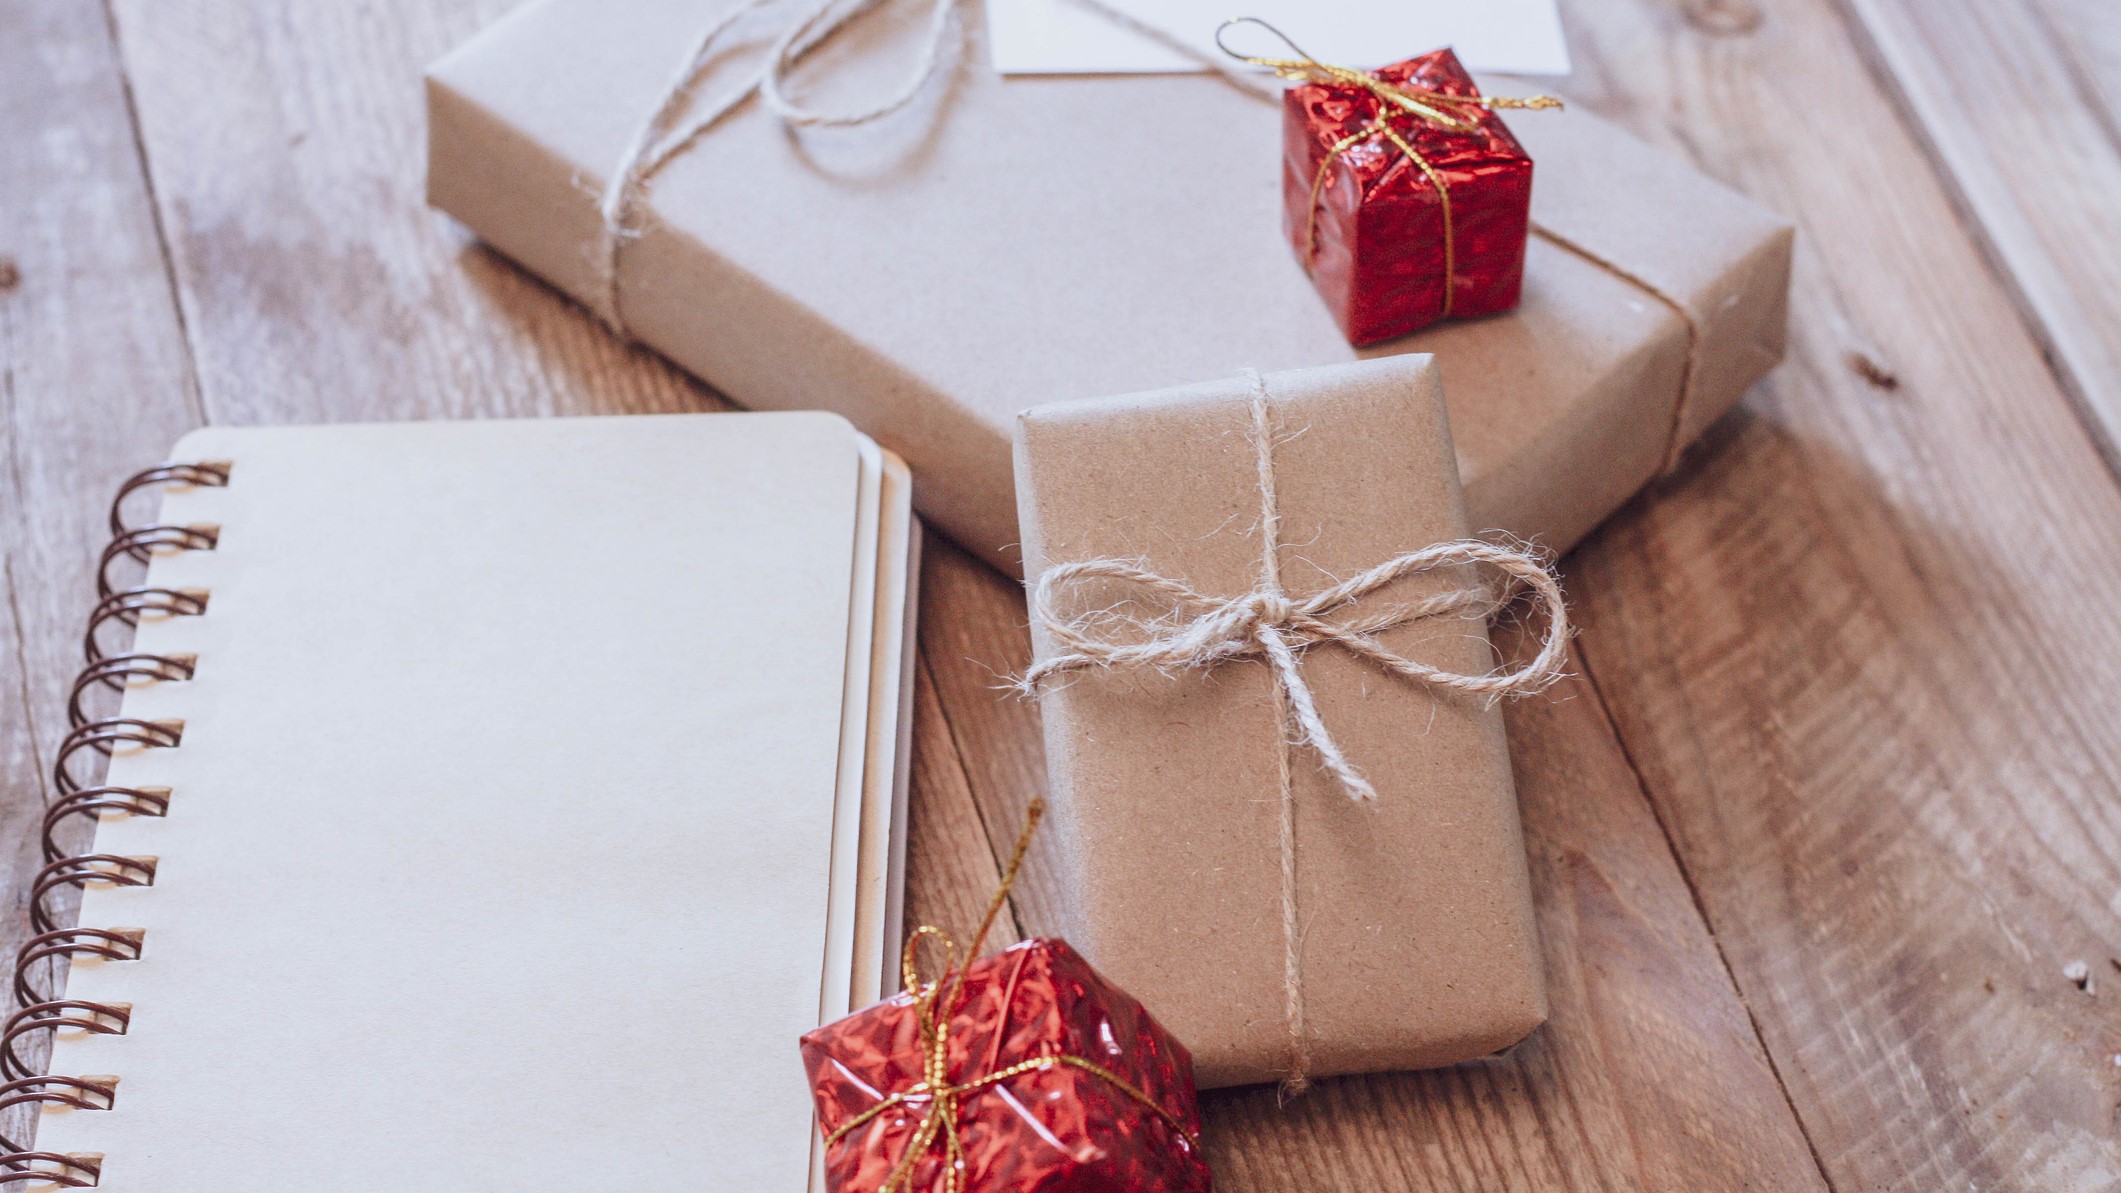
{"x": 880, "y": 909}
{"x": 500, "y": 834}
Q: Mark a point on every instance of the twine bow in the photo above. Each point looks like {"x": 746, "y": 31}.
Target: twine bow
{"x": 1441, "y": 109}
{"x": 935, "y": 1004}
{"x": 1268, "y": 624}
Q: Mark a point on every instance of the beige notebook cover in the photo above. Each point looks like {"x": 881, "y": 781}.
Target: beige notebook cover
{"x": 512, "y": 827}
{"x": 880, "y": 903}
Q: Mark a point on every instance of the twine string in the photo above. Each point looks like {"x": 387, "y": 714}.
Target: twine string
{"x": 1276, "y": 605}
{"x": 675, "y": 126}
{"x": 1267, "y": 624}
{"x": 1225, "y": 68}
{"x": 935, "y": 1004}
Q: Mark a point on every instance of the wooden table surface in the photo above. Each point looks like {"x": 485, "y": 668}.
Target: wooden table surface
{"x": 1832, "y": 801}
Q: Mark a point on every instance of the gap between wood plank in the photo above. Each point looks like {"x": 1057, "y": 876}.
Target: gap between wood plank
{"x": 7, "y": 559}
{"x": 28, "y": 702}
{"x": 1701, "y": 911}
{"x": 957, "y": 753}
{"x": 14, "y": 613}
{"x": 1880, "y": 62}
{"x": 193, "y": 397}
{"x": 2086, "y": 90}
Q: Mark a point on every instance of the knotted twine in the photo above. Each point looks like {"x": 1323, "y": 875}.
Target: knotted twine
{"x": 674, "y": 128}
{"x": 1268, "y": 624}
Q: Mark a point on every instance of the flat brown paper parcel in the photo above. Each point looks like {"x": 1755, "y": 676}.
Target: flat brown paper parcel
{"x": 1012, "y": 242}
{"x": 1417, "y": 942}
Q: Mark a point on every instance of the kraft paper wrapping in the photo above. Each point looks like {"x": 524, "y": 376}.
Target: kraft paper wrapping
{"x": 1418, "y": 945}
{"x": 1011, "y": 242}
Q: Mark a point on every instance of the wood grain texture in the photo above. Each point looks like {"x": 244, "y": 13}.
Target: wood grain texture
{"x": 287, "y": 147}
{"x": 2021, "y": 102}
{"x": 1648, "y": 1076}
{"x": 1861, "y": 649}
{"x": 974, "y": 637}
{"x": 93, "y": 380}
{"x": 951, "y": 873}
{"x": 93, "y": 369}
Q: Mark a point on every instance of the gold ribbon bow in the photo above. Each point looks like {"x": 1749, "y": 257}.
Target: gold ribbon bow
{"x": 1438, "y": 108}
{"x": 934, "y": 1005}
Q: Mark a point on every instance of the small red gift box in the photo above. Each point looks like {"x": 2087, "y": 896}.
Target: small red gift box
{"x": 1405, "y": 206}
{"x": 1045, "y": 1077}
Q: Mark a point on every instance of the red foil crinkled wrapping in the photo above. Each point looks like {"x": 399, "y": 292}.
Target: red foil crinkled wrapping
{"x": 1372, "y": 230}
{"x": 1052, "y": 1128}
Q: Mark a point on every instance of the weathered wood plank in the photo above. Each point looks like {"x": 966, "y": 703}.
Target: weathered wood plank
{"x": 286, "y": 144}
{"x": 973, "y": 636}
{"x": 94, "y": 379}
{"x": 2021, "y": 102}
{"x": 1859, "y": 649}
{"x": 94, "y": 382}
{"x": 2091, "y": 35}
{"x": 1648, "y": 1077}
{"x": 951, "y": 873}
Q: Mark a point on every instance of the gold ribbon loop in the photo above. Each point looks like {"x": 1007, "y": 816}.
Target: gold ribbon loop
{"x": 1441, "y": 109}
{"x": 1429, "y": 104}
{"x": 935, "y": 1003}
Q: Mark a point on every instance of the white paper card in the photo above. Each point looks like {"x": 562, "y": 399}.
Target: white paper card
{"x": 1068, "y": 37}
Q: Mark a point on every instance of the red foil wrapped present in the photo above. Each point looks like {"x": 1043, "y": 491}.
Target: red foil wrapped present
{"x": 1040, "y": 1077}
{"x": 1406, "y": 198}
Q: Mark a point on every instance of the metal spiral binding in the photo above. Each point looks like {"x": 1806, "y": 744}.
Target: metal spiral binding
{"x": 39, "y": 1003}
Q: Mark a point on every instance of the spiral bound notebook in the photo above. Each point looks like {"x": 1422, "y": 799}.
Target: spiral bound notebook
{"x": 491, "y": 807}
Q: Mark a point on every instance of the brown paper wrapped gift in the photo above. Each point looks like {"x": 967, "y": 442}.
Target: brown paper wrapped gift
{"x": 1416, "y": 944}
{"x": 1009, "y": 242}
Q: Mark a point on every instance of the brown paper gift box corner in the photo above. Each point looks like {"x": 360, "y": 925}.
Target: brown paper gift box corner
{"x": 931, "y": 276}
{"x": 1419, "y": 947}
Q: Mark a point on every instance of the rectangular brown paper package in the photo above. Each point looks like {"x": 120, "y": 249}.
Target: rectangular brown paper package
{"x": 1009, "y": 242}
{"x": 1415, "y": 944}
